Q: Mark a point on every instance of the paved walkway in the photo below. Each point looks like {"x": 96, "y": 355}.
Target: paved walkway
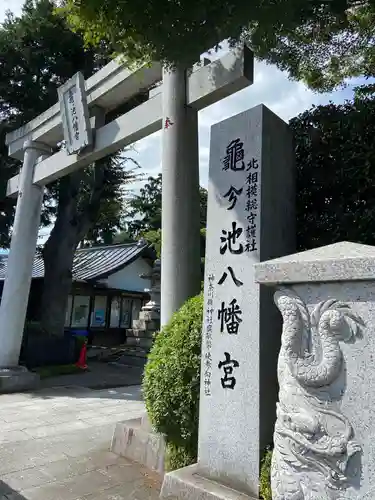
{"x": 54, "y": 446}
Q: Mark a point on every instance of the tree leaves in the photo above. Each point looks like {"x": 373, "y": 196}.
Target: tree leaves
{"x": 8, "y": 168}
{"x": 143, "y": 215}
{"x": 144, "y": 210}
{"x": 335, "y": 157}
{"x": 39, "y": 52}
{"x": 319, "y": 42}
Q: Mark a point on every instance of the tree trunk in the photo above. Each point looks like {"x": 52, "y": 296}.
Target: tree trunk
{"x": 58, "y": 263}
{"x": 58, "y": 254}
{"x": 72, "y": 224}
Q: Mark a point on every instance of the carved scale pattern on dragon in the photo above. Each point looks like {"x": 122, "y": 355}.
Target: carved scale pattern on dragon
{"x": 313, "y": 440}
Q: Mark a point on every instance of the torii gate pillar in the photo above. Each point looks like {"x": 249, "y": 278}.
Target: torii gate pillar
{"x": 180, "y": 267}
{"x": 20, "y": 264}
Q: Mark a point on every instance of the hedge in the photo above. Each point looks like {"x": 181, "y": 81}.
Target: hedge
{"x": 171, "y": 383}
{"x": 171, "y": 389}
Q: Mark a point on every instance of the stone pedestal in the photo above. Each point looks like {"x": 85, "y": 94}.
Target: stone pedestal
{"x": 250, "y": 218}
{"x": 17, "y": 379}
{"x": 324, "y": 434}
{"x": 136, "y": 440}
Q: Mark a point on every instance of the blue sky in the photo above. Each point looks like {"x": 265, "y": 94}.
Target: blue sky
{"x": 271, "y": 87}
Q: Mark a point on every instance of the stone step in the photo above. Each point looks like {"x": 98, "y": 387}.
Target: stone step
{"x": 150, "y": 316}
{"x": 105, "y": 354}
{"x": 142, "y": 324}
{"x": 190, "y": 483}
{"x": 132, "y": 332}
{"x": 133, "y": 355}
{"x": 129, "y": 360}
{"x": 136, "y": 351}
{"x": 139, "y": 341}
{"x": 135, "y": 440}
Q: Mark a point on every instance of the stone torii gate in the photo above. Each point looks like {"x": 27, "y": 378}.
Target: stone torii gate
{"x": 172, "y": 106}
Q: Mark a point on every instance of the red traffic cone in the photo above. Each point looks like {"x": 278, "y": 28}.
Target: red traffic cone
{"x": 81, "y": 363}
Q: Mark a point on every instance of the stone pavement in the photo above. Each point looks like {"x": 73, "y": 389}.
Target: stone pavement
{"x": 54, "y": 446}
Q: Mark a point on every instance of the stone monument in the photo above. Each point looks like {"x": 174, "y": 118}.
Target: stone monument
{"x": 153, "y": 305}
{"x": 250, "y": 218}
{"x": 324, "y": 434}
{"x": 148, "y": 323}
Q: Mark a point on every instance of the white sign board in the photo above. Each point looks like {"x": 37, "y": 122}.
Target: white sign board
{"x": 75, "y": 114}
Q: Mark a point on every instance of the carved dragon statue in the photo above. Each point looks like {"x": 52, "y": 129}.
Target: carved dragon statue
{"x": 311, "y": 433}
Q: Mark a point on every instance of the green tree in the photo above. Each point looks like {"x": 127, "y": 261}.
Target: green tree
{"x": 8, "y": 168}
{"x": 144, "y": 214}
{"x": 335, "y": 155}
{"x": 153, "y": 237}
{"x": 330, "y": 42}
{"x": 321, "y": 42}
{"x": 110, "y": 220}
{"x": 144, "y": 209}
{"x": 39, "y": 52}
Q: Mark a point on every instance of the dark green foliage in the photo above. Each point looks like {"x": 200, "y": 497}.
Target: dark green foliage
{"x": 58, "y": 370}
{"x": 145, "y": 209}
{"x": 335, "y": 155}
{"x": 265, "y": 476}
{"x": 178, "y": 457}
{"x": 144, "y": 215}
{"x": 171, "y": 382}
{"x": 108, "y": 211}
{"x": 8, "y": 168}
{"x": 122, "y": 237}
{"x": 154, "y": 238}
{"x": 34, "y": 329}
{"x": 366, "y": 91}
{"x": 39, "y": 52}
{"x": 321, "y": 42}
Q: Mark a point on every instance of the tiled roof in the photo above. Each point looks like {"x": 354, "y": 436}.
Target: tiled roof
{"x": 93, "y": 263}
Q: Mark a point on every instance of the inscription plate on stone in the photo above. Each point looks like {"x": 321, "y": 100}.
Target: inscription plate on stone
{"x": 74, "y": 114}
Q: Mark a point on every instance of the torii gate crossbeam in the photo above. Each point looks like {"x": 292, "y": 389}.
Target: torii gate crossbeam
{"x": 178, "y": 101}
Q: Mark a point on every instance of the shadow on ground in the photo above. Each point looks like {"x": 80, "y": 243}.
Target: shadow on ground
{"x": 7, "y": 493}
{"x": 133, "y": 393}
{"x": 101, "y": 381}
